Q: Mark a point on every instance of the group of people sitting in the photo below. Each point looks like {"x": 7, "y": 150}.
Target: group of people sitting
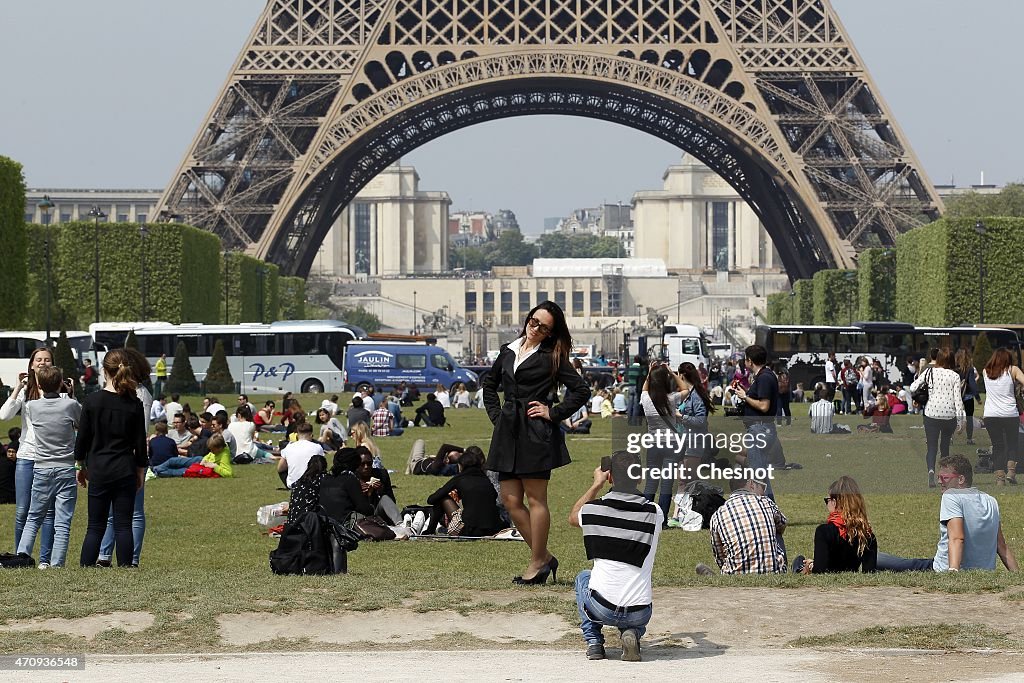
{"x": 747, "y": 531}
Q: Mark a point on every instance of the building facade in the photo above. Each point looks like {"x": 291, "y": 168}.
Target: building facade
{"x": 119, "y": 206}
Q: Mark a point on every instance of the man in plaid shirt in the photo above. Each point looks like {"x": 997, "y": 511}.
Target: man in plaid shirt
{"x": 384, "y": 422}
{"x": 746, "y": 532}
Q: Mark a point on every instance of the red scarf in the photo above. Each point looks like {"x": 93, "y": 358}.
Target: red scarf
{"x": 837, "y": 519}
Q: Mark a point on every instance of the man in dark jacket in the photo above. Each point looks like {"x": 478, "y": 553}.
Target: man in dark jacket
{"x": 357, "y": 413}
{"x": 431, "y": 412}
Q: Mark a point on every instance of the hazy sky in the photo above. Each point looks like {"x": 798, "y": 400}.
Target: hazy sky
{"x": 109, "y": 94}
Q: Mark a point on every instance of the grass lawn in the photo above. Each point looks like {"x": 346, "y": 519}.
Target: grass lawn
{"x": 204, "y": 554}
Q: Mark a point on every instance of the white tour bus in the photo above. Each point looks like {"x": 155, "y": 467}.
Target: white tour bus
{"x": 685, "y": 343}
{"x": 301, "y": 356}
{"x": 15, "y": 348}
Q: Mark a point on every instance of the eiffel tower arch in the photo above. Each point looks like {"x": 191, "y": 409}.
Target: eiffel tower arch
{"x": 771, "y": 94}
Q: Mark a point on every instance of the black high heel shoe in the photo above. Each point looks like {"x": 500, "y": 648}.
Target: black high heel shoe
{"x": 540, "y": 578}
{"x": 553, "y": 566}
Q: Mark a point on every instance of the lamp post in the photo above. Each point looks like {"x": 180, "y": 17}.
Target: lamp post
{"x": 679, "y": 302}
{"x": 639, "y": 308}
{"x": 96, "y": 215}
{"x": 764, "y": 283}
{"x": 414, "y": 311}
{"x": 45, "y": 207}
{"x": 143, "y": 233}
{"x": 979, "y": 228}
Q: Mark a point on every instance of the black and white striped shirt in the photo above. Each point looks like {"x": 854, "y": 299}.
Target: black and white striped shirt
{"x": 620, "y": 533}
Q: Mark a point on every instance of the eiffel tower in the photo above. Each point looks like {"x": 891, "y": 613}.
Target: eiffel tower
{"x": 771, "y": 94}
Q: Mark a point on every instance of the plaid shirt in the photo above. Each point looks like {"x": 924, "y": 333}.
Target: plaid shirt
{"x": 382, "y": 421}
{"x": 745, "y": 535}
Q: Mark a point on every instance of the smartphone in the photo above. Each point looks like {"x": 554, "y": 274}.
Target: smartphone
{"x": 22, "y": 376}
{"x": 374, "y": 480}
{"x": 606, "y": 463}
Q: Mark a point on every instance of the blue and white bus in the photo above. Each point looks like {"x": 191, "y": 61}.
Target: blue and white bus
{"x": 301, "y": 356}
{"x": 15, "y": 348}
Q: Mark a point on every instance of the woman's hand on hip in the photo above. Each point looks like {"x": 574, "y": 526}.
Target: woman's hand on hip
{"x": 538, "y": 409}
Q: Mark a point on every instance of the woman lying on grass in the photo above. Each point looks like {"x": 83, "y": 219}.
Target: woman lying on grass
{"x": 845, "y": 542}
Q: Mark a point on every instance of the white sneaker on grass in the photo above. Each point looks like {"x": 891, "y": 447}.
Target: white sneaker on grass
{"x": 44, "y": 565}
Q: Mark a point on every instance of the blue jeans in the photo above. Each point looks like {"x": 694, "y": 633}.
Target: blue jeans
{"x": 23, "y": 469}
{"x": 54, "y": 493}
{"x": 175, "y": 467}
{"x": 138, "y": 529}
{"x": 656, "y": 459}
{"x": 594, "y": 616}
{"x": 891, "y": 563}
{"x": 757, "y": 456}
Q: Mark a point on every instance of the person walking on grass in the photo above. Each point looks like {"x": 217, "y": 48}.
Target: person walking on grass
{"x": 111, "y": 457}
{"x": 1001, "y": 416}
{"x": 944, "y": 411}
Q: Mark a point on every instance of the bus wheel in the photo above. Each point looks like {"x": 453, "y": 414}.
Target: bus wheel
{"x": 312, "y": 386}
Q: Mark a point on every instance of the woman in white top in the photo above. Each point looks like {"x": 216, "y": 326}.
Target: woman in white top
{"x": 595, "y": 403}
{"x": 27, "y": 389}
{"x": 441, "y": 394}
{"x": 462, "y": 396}
{"x": 867, "y": 381}
{"x": 660, "y": 398}
{"x": 1001, "y": 417}
{"x": 944, "y": 412}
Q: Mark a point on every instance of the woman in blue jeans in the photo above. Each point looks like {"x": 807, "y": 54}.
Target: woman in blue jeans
{"x": 660, "y": 398}
{"x": 26, "y": 390}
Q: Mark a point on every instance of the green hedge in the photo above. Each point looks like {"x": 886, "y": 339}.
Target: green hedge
{"x": 13, "y": 240}
{"x": 937, "y": 281}
{"x": 244, "y": 289}
{"x": 803, "y": 307}
{"x": 835, "y": 297}
{"x": 780, "y": 308}
{"x": 292, "y": 293}
{"x": 876, "y": 272}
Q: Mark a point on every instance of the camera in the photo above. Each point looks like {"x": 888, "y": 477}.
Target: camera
{"x": 606, "y": 463}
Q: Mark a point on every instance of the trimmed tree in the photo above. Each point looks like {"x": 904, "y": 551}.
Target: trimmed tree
{"x": 182, "y": 379}
{"x": 780, "y": 308}
{"x": 876, "y": 273}
{"x": 218, "y": 375}
{"x": 803, "y": 307}
{"x": 65, "y": 360}
{"x": 835, "y": 297}
{"x": 14, "y": 241}
{"x": 130, "y": 341}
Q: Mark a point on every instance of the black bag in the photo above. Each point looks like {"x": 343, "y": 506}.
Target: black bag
{"x": 313, "y": 544}
{"x": 374, "y": 529}
{"x": 243, "y": 459}
{"x": 704, "y": 500}
{"x": 920, "y": 397}
{"x": 16, "y": 561}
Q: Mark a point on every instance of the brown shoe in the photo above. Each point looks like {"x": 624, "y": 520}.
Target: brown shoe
{"x": 1000, "y": 478}
{"x": 1011, "y": 472}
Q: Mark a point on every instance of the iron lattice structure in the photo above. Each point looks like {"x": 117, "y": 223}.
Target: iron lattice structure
{"x": 770, "y": 94}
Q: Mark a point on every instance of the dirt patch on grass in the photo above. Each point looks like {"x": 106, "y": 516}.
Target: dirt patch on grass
{"x": 391, "y": 625}
{"x": 86, "y": 627}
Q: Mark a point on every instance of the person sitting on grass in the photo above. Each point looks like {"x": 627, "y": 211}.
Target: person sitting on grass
{"x": 577, "y": 423}
{"x": 822, "y": 411}
{"x": 845, "y": 542}
{"x": 342, "y": 493}
{"x": 305, "y": 493}
{"x": 444, "y": 464}
{"x": 296, "y": 455}
{"x": 376, "y": 485}
{"x": 620, "y": 533}
{"x": 161, "y": 447}
{"x": 332, "y": 434}
{"x": 384, "y": 421}
{"x": 431, "y": 413}
{"x": 357, "y": 413}
{"x": 468, "y": 500}
{"x": 361, "y": 437}
{"x": 879, "y": 412}
{"x": 746, "y": 532}
{"x": 218, "y": 459}
{"x": 970, "y": 532}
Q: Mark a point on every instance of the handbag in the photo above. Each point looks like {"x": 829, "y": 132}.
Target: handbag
{"x": 199, "y": 471}
{"x": 920, "y": 395}
{"x": 374, "y": 529}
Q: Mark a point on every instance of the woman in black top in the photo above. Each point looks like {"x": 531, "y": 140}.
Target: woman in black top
{"x": 527, "y": 442}
{"x": 111, "y": 457}
{"x": 305, "y": 493}
{"x": 479, "y": 514}
{"x": 845, "y": 542}
{"x": 342, "y": 494}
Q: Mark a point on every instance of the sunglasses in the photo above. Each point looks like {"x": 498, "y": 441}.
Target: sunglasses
{"x": 541, "y": 327}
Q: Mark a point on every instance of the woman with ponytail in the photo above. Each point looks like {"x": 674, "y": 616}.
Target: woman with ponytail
{"x": 845, "y": 542}
{"x": 111, "y": 457}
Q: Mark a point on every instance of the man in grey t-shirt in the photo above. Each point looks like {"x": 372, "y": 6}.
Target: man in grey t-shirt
{"x": 970, "y": 533}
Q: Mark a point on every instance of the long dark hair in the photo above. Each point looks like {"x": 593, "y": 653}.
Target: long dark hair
{"x": 660, "y": 384}
{"x": 692, "y": 376}
{"x": 121, "y": 372}
{"x": 559, "y": 333}
{"x": 317, "y": 465}
{"x": 32, "y": 391}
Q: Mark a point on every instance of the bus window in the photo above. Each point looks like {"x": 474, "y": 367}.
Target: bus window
{"x": 211, "y": 343}
{"x": 11, "y": 347}
{"x": 254, "y": 343}
{"x": 690, "y": 346}
{"x": 819, "y": 342}
{"x": 191, "y": 342}
{"x": 305, "y": 343}
{"x": 785, "y": 343}
{"x": 411, "y": 361}
{"x": 442, "y": 362}
{"x": 852, "y": 342}
{"x": 892, "y": 343}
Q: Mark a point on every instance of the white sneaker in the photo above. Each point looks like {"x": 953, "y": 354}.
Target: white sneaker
{"x": 418, "y": 522}
{"x": 407, "y": 520}
{"x": 150, "y": 474}
{"x": 44, "y": 565}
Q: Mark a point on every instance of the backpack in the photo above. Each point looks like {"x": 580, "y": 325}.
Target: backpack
{"x": 704, "y": 500}
{"x": 313, "y": 544}
{"x": 16, "y": 561}
{"x": 850, "y": 378}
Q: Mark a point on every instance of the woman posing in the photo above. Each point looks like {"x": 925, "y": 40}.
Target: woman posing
{"x": 111, "y": 456}
{"x": 27, "y": 389}
{"x": 660, "y": 397}
{"x": 944, "y": 412}
{"x": 1001, "y": 417}
{"x": 845, "y": 542}
{"x": 527, "y": 443}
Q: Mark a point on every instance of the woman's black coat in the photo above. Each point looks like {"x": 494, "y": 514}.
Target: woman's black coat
{"x": 521, "y": 444}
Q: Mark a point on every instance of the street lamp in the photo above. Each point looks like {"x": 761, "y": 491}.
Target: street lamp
{"x": 679, "y": 301}
{"x": 96, "y": 215}
{"x": 639, "y": 308}
{"x": 143, "y": 232}
{"x": 45, "y": 206}
{"x": 764, "y": 285}
{"x": 414, "y": 311}
{"x": 979, "y": 228}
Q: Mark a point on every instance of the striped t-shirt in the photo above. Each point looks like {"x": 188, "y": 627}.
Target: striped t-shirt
{"x": 620, "y": 533}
